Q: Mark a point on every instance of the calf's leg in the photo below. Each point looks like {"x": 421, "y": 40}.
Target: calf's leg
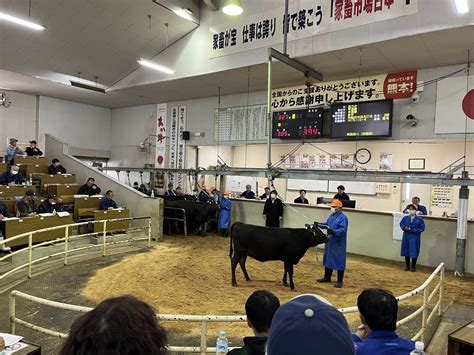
{"x": 233, "y": 264}
{"x": 242, "y": 261}
{"x": 285, "y": 282}
{"x": 289, "y": 268}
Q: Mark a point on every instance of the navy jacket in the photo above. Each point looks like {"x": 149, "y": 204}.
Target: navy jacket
{"x": 86, "y": 190}
{"x": 249, "y": 195}
{"x": 106, "y": 203}
{"x": 56, "y": 170}
{"x": 383, "y": 342}
{"x": 47, "y": 207}
{"x": 343, "y": 197}
{"x": 420, "y": 208}
{"x": 7, "y": 177}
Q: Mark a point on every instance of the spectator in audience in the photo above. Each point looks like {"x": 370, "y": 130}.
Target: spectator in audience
{"x": 13, "y": 150}
{"x": 266, "y": 194}
{"x": 108, "y": 202}
{"x": 341, "y": 194}
{"x": 121, "y": 325}
{"x": 420, "y": 209}
{"x": 302, "y": 198}
{"x": 308, "y": 324}
{"x": 12, "y": 177}
{"x": 223, "y": 221}
{"x": 170, "y": 192}
{"x": 27, "y": 205}
{"x": 248, "y": 193}
{"x": 135, "y": 185}
{"x": 52, "y": 203}
{"x": 273, "y": 210}
{"x": 89, "y": 188}
{"x": 216, "y": 195}
{"x": 179, "y": 191}
{"x": 33, "y": 150}
{"x": 3, "y": 214}
{"x": 56, "y": 167}
{"x": 259, "y": 308}
{"x": 204, "y": 195}
{"x": 377, "y": 335}
{"x": 143, "y": 189}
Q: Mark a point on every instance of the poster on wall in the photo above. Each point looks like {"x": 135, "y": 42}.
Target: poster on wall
{"x": 442, "y": 196}
{"x": 336, "y": 162}
{"x": 323, "y": 161}
{"x": 173, "y": 142}
{"x": 181, "y": 145}
{"x": 285, "y": 161}
{"x": 304, "y": 161}
{"x": 295, "y": 161}
{"x": 397, "y": 233}
{"x": 386, "y": 162}
{"x": 347, "y": 161}
{"x": 160, "y": 150}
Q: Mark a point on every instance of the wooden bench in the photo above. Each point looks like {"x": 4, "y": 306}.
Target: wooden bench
{"x": 16, "y": 190}
{"x": 27, "y": 170}
{"x": 23, "y": 159}
{"x": 63, "y": 190}
{"x": 85, "y": 206}
{"x": 111, "y": 214}
{"x": 65, "y": 179}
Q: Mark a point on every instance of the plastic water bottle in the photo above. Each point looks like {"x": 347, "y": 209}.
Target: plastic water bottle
{"x": 419, "y": 348}
{"x": 222, "y": 344}
{"x": 152, "y": 193}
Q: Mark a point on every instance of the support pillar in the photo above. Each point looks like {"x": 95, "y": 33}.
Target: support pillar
{"x": 461, "y": 231}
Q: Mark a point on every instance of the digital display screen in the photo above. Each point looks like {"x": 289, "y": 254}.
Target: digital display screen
{"x": 298, "y": 124}
{"x": 362, "y": 120}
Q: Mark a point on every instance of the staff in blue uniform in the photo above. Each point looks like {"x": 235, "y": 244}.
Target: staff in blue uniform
{"x": 224, "y": 215}
{"x": 412, "y": 226}
{"x": 335, "y": 249}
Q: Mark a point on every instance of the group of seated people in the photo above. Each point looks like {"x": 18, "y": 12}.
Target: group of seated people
{"x": 13, "y": 150}
{"x": 306, "y": 324}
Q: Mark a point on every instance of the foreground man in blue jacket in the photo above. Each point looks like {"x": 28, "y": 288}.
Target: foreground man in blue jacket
{"x": 335, "y": 249}
{"x": 377, "y": 335}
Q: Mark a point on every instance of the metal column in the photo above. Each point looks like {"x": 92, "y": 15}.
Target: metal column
{"x": 461, "y": 231}
{"x": 269, "y": 114}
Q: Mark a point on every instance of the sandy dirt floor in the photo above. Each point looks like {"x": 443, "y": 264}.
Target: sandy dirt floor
{"x": 192, "y": 276}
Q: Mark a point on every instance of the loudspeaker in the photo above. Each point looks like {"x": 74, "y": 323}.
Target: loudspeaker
{"x": 186, "y": 135}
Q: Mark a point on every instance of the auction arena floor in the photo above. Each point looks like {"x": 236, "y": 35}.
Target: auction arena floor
{"x": 191, "y": 275}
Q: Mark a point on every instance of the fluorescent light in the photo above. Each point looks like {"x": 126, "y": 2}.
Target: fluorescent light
{"x": 19, "y": 21}
{"x": 462, "y": 6}
{"x": 184, "y": 13}
{"x": 155, "y": 66}
{"x": 232, "y": 7}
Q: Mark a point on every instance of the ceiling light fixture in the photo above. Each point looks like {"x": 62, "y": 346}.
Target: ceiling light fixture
{"x": 462, "y": 6}
{"x": 22, "y": 22}
{"x": 152, "y": 65}
{"x": 232, "y": 7}
{"x": 185, "y": 13}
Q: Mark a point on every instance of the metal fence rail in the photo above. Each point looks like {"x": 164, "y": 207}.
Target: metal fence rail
{"x": 204, "y": 320}
{"x": 183, "y": 219}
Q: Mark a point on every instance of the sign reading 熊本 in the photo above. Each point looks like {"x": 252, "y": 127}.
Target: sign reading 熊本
{"x": 160, "y": 145}
{"x": 306, "y": 18}
{"x": 369, "y": 88}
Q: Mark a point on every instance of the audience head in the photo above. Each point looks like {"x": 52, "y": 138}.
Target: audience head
{"x": 267, "y": 190}
{"x": 309, "y": 322}
{"x": 121, "y": 325}
{"x": 52, "y": 199}
{"x": 55, "y": 162}
{"x": 204, "y": 187}
{"x": 29, "y": 195}
{"x": 341, "y": 189}
{"x": 33, "y": 144}
{"x": 273, "y": 194}
{"x": 302, "y": 193}
{"x": 15, "y": 169}
{"x": 109, "y": 194}
{"x": 179, "y": 190}
{"x": 415, "y": 200}
{"x": 170, "y": 186}
{"x": 260, "y": 308}
{"x": 90, "y": 182}
{"x": 378, "y": 309}
{"x": 248, "y": 188}
{"x": 13, "y": 141}
{"x": 135, "y": 184}
{"x": 226, "y": 194}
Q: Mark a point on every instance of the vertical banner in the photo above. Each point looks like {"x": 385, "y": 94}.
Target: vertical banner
{"x": 173, "y": 142}
{"x": 160, "y": 136}
{"x": 181, "y": 151}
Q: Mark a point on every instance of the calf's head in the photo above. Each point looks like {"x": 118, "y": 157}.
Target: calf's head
{"x": 317, "y": 235}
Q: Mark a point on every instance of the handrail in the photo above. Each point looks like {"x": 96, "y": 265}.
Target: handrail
{"x": 178, "y": 219}
{"x": 205, "y": 319}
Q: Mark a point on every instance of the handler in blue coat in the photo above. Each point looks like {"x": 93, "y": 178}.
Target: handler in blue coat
{"x": 412, "y": 226}
{"x": 224, "y": 215}
{"x": 335, "y": 249}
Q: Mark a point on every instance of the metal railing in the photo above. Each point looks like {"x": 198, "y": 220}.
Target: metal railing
{"x": 67, "y": 239}
{"x": 205, "y": 320}
{"x": 176, "y": 218}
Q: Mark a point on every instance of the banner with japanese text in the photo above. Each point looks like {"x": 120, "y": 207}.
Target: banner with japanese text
{"x": 173, "y": 141}
{"x": 377, "y": 87}
{"x": 306, "y": 18}
{"x": 160, "y": 149}
{"x": 181, "y": 146}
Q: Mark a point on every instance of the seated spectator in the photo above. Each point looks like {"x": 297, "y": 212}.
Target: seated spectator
{"x": 259, "y": 308}
{"x": 179, "y": 191}
{"x": 12, "y": 177}
{"x": 33, "y": 150}
{"x": 308, "y": 324}
{"x": 266, "y": 194}
{"x": 135, "y": 185}
{"x": 89, "y": 188}
{"x": 204, "y": 195}
{"x": 13, "y": 150}
{"x": 121, "y": 325}
{"x": 108, "y": 202}
{"x": 143, "y": 189}
{"x": 27, "y": 205}
{"x": 3, "y": 214}
{"x": 170, "y": 192}
{"x": 248, "y": 193}
{"x": 52, "y": 203}
{"x": 302, "y": 198}
{"x": 377, "y": 335}
{"x": 420, "y": 209}
{"x": 56, "y": 167}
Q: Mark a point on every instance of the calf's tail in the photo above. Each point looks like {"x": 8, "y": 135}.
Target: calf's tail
{"x": 231, "y": 248}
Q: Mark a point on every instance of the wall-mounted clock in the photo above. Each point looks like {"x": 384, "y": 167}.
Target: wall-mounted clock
{"x": 362, "y": 156}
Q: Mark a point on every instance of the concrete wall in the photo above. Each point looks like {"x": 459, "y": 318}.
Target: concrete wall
{"x": 136, "y": 202}
{"x": 370, "y": 233}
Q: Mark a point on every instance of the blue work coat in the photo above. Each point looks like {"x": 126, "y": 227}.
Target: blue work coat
{"x": 382, "y": 342}
{"x": 224, "y": 214}
{"x": 411, "y": 240}
{"x": 335, "y": 249}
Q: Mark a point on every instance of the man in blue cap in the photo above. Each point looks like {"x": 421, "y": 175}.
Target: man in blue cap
{"x": 308, "y": 324}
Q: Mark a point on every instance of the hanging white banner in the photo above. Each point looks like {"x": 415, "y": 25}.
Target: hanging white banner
{"x": 306, "y": 18}
{"x": 160, "y": 151}
{"x": 181, "y": 151}
{"x": 173, "y": 141}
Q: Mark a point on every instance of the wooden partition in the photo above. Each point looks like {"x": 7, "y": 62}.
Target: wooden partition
{"x": 111, "y": 214}
{"x": 56, "y": 179}
{"x": 16, "y": 190}
{"x": 29, "y": 169}
{"x": 20, "y": 159}
{"x": 85, "y": 206}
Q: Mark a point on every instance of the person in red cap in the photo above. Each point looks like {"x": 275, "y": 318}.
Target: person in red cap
{"x": 335, "y": 249}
